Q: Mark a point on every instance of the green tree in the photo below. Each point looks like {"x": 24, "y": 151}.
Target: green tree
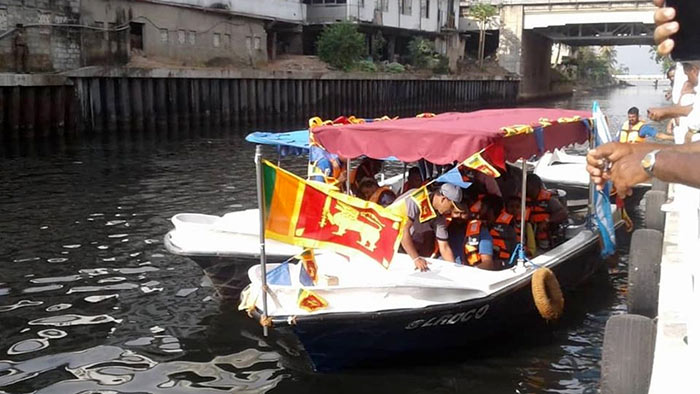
{"x": 483, "y": 14}
{"x": 341, "y": 45}
{"x": 421, "y": 52}
{"x": 665, "y": 61}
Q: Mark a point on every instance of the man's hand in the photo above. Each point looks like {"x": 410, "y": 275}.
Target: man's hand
{"x": 657, "y": 114}
{"x": 597, "y": 160}
{"x": 665, "y": 27}
{"x": 627, "y": 172}
{"x": 421, "y": 264}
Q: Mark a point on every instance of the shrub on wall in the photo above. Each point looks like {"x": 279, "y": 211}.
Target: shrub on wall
{"x": 341, "y": 45}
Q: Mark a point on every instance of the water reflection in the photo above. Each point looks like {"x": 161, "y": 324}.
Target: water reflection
{"x": 91, "y": 302}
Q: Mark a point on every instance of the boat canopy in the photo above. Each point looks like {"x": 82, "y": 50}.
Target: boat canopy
{"x": 449, "y": 137}
{"x": 290, "y": 143}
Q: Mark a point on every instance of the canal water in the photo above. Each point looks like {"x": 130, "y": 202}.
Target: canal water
{"x": 90, "y": 301}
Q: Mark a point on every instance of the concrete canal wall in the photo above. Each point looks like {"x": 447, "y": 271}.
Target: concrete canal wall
{"x": 110, "y": 100}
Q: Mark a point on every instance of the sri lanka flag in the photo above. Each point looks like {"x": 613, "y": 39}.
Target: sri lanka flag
{"x": 315, "y": 215}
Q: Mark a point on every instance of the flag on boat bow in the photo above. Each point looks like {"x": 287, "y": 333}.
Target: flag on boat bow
{"x": 316, "y": 215}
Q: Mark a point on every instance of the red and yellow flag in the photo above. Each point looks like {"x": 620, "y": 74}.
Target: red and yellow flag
{"x": 481, "y": 161}
{"x": 310, "y": 301}
{"x": 314, "y": 215}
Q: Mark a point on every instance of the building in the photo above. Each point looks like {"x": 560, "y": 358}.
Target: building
{"x": 62, "y": 35}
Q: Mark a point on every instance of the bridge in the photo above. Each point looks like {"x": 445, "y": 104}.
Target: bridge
{"x": 639, "y": 78}
{"x": 528, "y": 28}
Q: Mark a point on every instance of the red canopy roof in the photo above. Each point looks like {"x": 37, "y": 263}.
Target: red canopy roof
{"x": 451, "y": 137}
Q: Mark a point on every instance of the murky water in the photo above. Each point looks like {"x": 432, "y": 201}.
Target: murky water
{"x": 90, "y": 301}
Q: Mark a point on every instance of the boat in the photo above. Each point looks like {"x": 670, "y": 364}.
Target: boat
{"x": 375, "y": 315}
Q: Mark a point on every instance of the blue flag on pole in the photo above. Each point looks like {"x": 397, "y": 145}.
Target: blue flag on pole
{"x": 603, "y": 214}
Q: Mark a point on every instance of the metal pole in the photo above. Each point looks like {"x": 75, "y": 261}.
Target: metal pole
{"x": 403, "y": 182}
{"x": 347, "y": 176}
{"x": 523, "y": 232}
{"x": 261, "y": 209}
{"x": 591, "y": 185}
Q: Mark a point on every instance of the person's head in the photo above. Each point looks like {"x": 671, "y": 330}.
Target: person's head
{"x": 513, "y": 205}
{"x": 691, "y": 70}
{"x": 491, "y": 206}
{"x": 367, "y": 187}
{"x": 633, "y": 116}
{"x": 414, "y": 178}
{"x": 671, "y": 73}
{"x": 448, "y": 199}
{"x": 534, "y": 185}
{"x": 374, "y": 165}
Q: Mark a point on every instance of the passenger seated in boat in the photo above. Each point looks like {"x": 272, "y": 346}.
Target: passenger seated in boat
{"x": 479, "y": 248}
{"x": 414, "y": 180}
{"x": 326, "y": 167}
{"x": 513, "y": 208}
{"x": 368, "y": 168}
{"x": 427, "y": 223}
{"x": 370, "y": 190}
{"x": 548, "y": 213}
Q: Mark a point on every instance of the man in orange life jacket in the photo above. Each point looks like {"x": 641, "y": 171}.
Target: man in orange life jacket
{"x": 513, "y": 208}
{"x": 547, "y": 212}
{"x": 368, "y": 168}
{"x": 480, "y": 246}
{"x": 423, "y": 228}
{"x": 369, "y": 190}
{"x": 634, "y": 130}
{"x": 413, "y": 181}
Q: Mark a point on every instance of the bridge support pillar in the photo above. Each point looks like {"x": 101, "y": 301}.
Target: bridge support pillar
{"x": 510, "y": 37}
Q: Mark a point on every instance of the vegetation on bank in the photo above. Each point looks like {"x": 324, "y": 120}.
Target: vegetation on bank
{"x": 343, "y": 47}
{"x": 593, "y": 67}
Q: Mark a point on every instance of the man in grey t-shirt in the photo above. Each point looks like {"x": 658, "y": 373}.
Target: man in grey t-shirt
{"x": 425, "y": 228}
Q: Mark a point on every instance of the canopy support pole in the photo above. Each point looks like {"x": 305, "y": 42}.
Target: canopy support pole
{"x": 347, "y": 176}
{"x": 403, "y": 182}
{"x": 261, "y": 209}
{"x": 591, "y": 185}
{"x": 523, "y": 208}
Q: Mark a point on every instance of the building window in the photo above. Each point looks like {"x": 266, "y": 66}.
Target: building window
{"x": 405, "y": 6}
{"x": 425, "y": 8}
{"x": 257, "y": 45}
{"x": 227, "y": 41}
{"x": 163, "y": 35}
{"x": 249, "y": 42}
{"x": 136, "y": 35}
{"x": 385, "y": 5}
{"x": 192, "y": 37}
{"x": 181, "y": 37}
{"x": 217, "y": 40}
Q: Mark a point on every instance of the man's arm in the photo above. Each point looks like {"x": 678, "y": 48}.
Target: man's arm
{"x": 410, "y": 247}
{"x": 446, "y": 251}
{"x": 678, "y": 168}
{"x": 673, "y": 111}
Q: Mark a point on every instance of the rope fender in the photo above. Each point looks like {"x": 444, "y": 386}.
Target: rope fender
{"x": 547, "y": 294}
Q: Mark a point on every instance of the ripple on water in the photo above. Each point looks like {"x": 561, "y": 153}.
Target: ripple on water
{"x": 99, "y": 298}
{"x": 28, "y": 346}
{"x": 41, "y": 289}
{"x": 73, "y": 320}
{"x": 58, "y": 307}
{"x": 19, "y": 304}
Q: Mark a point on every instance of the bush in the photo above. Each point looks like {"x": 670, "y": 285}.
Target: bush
{"x": 420, "y": 52}
{"x": 442, "y": 66}
{"x": 341, "y": 45}
{"x": 366, "y": 66}
{"x": 394, "y": 68}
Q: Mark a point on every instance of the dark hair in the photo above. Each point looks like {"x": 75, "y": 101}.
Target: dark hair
{"x": 414, "y": 170}
{"x": 367, "y": 182}
{"x": 672, "y": 69}
{"x": 493, "y": 202}
{"x": 534, "y": 181}
{"x": 633, "y": 111}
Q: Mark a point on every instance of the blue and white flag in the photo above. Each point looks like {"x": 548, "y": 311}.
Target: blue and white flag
{"x": 603, "y": 213}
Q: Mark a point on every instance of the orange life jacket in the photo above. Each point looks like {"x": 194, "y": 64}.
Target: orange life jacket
{"x": 631, "y": 134}
{"x": 471, "y": 246}
{"x": 377, "y": 195}
{"x": 498, "y": 233}
{"x": 540, "y": 217}
{"x": 475, "y": 208}
{"x": 516, "y": 223}
{"x": 360, "y": 172}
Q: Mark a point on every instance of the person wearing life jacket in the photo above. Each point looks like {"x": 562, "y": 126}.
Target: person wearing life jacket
{"x": 513, "y": 208}
{"x": 326, "y": 167}
{"x": 503, "y": 233}
{"x": 426, "y": 222}
{"x": 547, "y": 212}
{"x": 370, "y": 190}
{"x": 413, "y": 181}
{"x": 368, "y": 168}
{"x": 479, "y": 247}
{"x": 630, "y": 132}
